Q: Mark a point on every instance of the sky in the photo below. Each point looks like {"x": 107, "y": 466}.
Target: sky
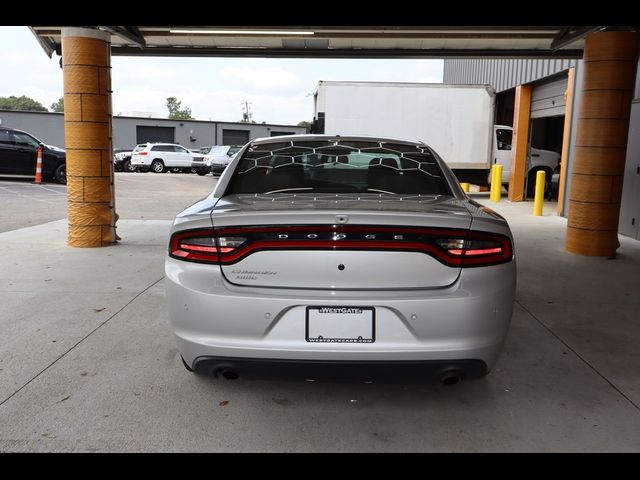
{"x": 280, "y": 91}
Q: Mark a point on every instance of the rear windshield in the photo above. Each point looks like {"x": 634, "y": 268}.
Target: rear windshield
{"x": 338, "y": 167}
{"x": 140, "y": 147}
{"x": 219, "y": 150}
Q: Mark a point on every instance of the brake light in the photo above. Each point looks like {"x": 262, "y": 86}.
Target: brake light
{"x": 202, "y": 245}
{"x": 478, "y": 249}
{"x": 452, "y": 247}
{"x": 142, "y": 153}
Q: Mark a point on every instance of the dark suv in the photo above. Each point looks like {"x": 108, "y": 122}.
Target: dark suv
{"x": 19, "y": 154}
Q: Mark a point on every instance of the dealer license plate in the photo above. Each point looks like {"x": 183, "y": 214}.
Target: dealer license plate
{"x": 341, "y": 324}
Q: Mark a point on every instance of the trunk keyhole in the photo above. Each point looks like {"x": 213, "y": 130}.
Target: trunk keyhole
{"x": 341, "y": 267}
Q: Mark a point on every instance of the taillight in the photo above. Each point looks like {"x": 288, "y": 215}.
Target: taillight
{"x": 142, "y": 153}
{"x": 202, "y": 245}
{"x": 478, "y": 249}
{"x": 452, "y": 247}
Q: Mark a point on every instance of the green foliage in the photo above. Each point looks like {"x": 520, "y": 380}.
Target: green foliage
{"x": 177, "y": 113}
{"x": 58, "y": 106}
{"x": 305, "y": 124}
{"x": 21, "y": 103}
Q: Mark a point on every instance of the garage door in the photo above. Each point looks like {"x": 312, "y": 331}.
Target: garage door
{"x": 235, "y": 137}
{"x": 145, "y": 133}
{"x": 547, "y": 99}
{"x": 275, "y": 133}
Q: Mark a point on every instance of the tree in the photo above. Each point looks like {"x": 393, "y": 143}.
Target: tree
{"x": 58, "y": 106}
{"x": 305, "y": 124}
{"x": 175, "y": 112}
{"x": 21, "y": 103}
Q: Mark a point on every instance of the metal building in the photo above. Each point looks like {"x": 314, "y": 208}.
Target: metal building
{"x": 553, "y": 103}
{"x": 130, "y": 131}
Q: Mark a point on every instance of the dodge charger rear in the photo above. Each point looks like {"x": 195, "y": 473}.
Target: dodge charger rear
{"x": 340, "y": 257}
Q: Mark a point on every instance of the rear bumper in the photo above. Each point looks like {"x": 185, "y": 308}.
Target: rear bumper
{"x": 369, "y": 371}
{"x": 217, "y": 169}
{"x": 212, "y": 319}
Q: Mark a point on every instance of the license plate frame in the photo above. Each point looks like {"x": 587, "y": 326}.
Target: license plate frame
{"x": 326, "y": 324}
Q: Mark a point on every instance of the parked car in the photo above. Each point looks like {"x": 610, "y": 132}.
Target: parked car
{"x": 19, "y": 154}
{"x": 320, "y": 256}
{"x": 122, "y": 160}
{"x": 160, "y": 157}
{"x": 219, "y": 157}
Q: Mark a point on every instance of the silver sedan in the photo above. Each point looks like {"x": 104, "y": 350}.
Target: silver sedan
{"x": 340, "y": 257}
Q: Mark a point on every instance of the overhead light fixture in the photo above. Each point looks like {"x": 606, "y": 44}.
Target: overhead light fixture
{"x": 246, "y": 32}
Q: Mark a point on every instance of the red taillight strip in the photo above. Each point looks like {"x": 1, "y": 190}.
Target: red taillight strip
{"x": 203, "y": 248}
{"x": 250, "y": 248}
{"x": 485, "y": 257}
{"x": 486, "y": 251}
{"x": 230, "y": 255}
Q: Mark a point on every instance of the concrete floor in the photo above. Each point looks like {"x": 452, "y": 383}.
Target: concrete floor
{"x": 88, "y": 362}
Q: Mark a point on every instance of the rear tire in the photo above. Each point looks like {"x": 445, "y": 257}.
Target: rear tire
{"x": 531, "y": 184}
{"x": 202, "y": 174}
{"x": 60, "y": 174}
{"x": 127, "y": 167}
{"x": 157, "y": 166}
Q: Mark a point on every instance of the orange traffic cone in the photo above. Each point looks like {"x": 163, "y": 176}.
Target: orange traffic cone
{"x": 39, "y": 166}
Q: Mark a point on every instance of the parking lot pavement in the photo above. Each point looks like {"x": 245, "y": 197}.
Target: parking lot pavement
{"x": 25, "y": 204}
{"x": 88, "y": 362}
{"x": 138, "y": 195}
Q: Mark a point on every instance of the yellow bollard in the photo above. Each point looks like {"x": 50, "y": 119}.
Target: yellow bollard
{"x": 496, "y": 183}
{"x": 539, "y": 198}
{"x": 465, "y": 187}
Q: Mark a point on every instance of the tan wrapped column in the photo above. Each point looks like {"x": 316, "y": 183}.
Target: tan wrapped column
{"x": 87, "y": 126}
{"x": 601, "y": 143}
{"x": 519, "y": 143}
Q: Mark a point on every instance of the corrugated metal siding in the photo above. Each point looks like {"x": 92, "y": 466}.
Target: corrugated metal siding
{"x": 502, "y": 74}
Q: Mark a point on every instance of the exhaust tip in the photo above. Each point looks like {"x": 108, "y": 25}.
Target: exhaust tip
{"x": 226, "y": 372}
{"x": 230, "y": 374}
{"x": 450, "y": 378}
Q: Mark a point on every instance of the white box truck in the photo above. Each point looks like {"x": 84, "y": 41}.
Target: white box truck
{"x": 457, "y": 121}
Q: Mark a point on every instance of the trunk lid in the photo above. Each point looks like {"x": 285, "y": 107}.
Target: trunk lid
{"x": 340, "y": 241}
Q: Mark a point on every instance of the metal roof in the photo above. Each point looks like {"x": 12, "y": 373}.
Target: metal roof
{"x": 338, "y": 41}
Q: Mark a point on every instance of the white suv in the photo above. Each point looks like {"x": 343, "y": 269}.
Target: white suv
{"x": 159, "y": 157}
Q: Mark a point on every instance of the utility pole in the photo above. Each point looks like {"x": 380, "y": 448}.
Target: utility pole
{"x": 246, "y": 116}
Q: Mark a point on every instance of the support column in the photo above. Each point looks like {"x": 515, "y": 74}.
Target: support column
{"x": 566, "y": 138}
{"x": 521, "y": 114}
{"x": 601, "y": 143}
{"x": 86, "y": 60}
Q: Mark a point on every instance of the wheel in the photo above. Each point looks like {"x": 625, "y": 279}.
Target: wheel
{"x": 157, "y": 166}
{"x": 127, "y": 167}
{"x": 60, "y": 174}
{"x": 531, "y": 184}
{"x": 202, "y": 174}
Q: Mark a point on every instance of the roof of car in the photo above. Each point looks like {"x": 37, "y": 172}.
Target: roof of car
{"x": 153, "y": 144}
{"x": 310, "y": 137}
